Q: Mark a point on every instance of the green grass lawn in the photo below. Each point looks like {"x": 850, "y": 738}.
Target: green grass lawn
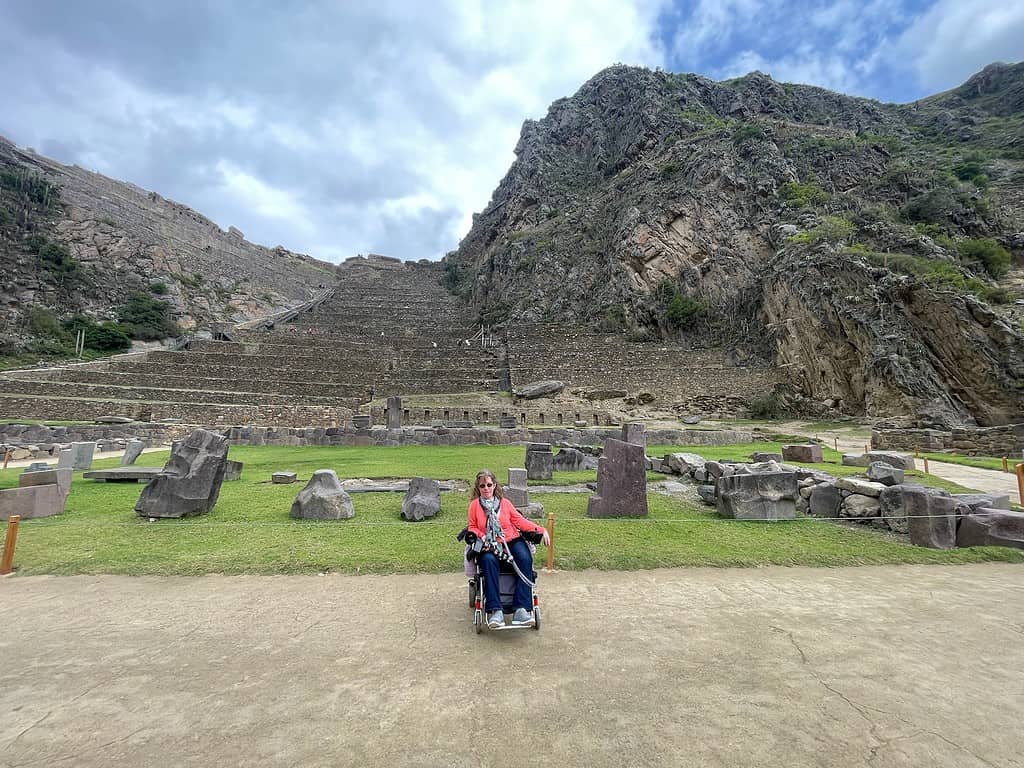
{"x": 249, "y": 530}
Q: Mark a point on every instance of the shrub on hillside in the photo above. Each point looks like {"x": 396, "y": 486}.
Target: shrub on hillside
{"x": 990, "y": 253}
{"x": 144, "y": 317}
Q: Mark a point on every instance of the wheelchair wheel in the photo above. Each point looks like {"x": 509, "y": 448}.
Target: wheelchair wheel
{"x": 478, "y": 621}
{"x": 536, "y": 618}
{"x": 472, "y": 594}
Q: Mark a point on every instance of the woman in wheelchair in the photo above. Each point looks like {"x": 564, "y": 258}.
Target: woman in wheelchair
{"x": 499, "y": 526}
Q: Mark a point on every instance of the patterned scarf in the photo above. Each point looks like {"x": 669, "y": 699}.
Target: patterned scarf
{"x": 494, "y": 536}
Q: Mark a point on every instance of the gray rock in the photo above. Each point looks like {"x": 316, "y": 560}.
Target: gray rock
{"x": 423, "y": 500}
{"x": 80, "y": 457}
{"x": 824, "y": 500}
{"x": 898, "y": 460}
{"x": 758, "y": 457}
{"x": 533, "y": 510}
{"x": 976, "y": 501}
{"x": 708, "y": 494}
{"x": 113, "y": 420}
{"x": 232, "y": 470}
{"x": 323, "y": 498}
{"x": 568, "y": 460}
{"x": 283, "y": 478}
{"x": 761, "y": 496}
{"x": 859, "y": 506}
{"x": 539, "y": 461}
{"x": 691, "y": 419}
{"x": 991, "y": 528}
{"x": 394, "y": 407}
{"x": 714, "y": 469}
{"x": 540, "y": 389}
{"x": 883, "y": 473}
{"x": 931, "y": 519}
{"x": 855, "y": 460}
{"x": 37, "y": 466}
{"x": 621, "y": 482}
{"x": 132, "y": 451}
{"x": 856, "y": 485}
{"x": 683, "y": 463}
{"x": 807, "y": 454}
{"x": 191, "y": 479}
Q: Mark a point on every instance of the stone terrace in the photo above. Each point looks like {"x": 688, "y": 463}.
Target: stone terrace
{"x": 594, "y": 361}
{"x": 389, "y": 328}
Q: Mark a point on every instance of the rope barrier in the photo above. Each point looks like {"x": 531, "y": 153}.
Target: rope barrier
{"x": 335, "y": 524}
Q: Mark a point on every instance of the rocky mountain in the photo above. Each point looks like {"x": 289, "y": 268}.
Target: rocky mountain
{"x": 75, "y": 242}
{"x": 871, "y": 250}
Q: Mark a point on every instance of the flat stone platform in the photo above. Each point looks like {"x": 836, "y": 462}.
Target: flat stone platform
{"x": 123, "y": 474}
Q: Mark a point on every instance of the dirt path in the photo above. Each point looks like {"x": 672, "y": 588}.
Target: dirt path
{"x": 882, "y": 666}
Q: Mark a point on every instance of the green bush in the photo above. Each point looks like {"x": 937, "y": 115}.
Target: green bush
{"x": 158, "y": 288}
{"x": 771, "y": 405}
{"x": 679, "y": 311}
{"x": 972, "y": 165}
{"x": 43, "y": 323}
{"x": 803, "y": 195}
{"x": 107, "y": 337}
{"x": 146, "y": 318}
{"x": 990, "y": 253}
{"x": 830, "y": 229}
{"x": 747, "y": 132}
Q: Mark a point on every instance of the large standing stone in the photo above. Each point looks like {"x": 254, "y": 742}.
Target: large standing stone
{"x": 807, "y": 454}
{"x": 634, "y": 433}
{"x": 81, "y": 455}
{"x": 422, "y": 500}
{"x": 931, "y": 519}
{"x": 621, "y": 482}
{"x": 539, "y": 461}
{"x": 233, "y": 470}
{"x": 760, "y": 496}
{"x": 991, "y": 528}
{"x": 132, "y": 452}
{"x": 394, "y": 412}
{"x": 190, "y": 481}
{"x": 516, "y": 489}
{"x": 323, "y": 498}
{"x": 32, "y": 501}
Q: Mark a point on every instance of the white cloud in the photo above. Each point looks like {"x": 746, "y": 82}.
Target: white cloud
{"x": 956, "y": 38}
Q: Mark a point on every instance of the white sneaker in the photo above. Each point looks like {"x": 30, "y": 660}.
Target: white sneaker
{"x": 522, "y": 618}
{"x": 496, "y": 620}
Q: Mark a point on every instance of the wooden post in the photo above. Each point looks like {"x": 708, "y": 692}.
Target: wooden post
{"x": 836, "y": 441}
{"x": 867, "y": 448}
{"x": 926, "y": 465}
{"x": 7, "y": 560}
{"x": 551, "y": 546}
{"x": 1006, "y": 467}
{"x": 7, "y": 457}
{"x": 1019, "y": 469}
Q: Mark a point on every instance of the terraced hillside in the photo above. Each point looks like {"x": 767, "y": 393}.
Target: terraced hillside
{"x": 388, "y": 328}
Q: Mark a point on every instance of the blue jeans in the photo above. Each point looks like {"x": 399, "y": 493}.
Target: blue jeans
{"x": 522, "y": 597}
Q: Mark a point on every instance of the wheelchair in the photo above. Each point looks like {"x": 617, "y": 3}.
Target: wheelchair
{"x": 506, "y": 588}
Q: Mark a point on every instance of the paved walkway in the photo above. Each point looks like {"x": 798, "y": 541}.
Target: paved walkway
{"x": 879, "y": 666}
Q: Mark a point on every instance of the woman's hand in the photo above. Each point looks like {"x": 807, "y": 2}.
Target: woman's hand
{"x": 546, "y": 537}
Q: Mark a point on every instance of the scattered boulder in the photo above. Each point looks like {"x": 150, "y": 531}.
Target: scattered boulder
{"x": 991, "y": 528}
{"x": 760, "y": 496}
{"x": 190, "y": 481}
{"x": 569, "y": 460}
{"x": 898, "y": 460}
{"x": 423, "y": 499}
{"x": 113, "y": 420}
{"x": 856, "y": 485}
{"x": 691, "y": 419}
{"x": 759, "y": 456}
{"x": 855, "y": 460}
{"x": 708, "y": 494}
{"x": 283, "y": 478}
{"x": 883, "y": 473}
{"x": 233, "y": 470}
{"x": 605, "y": 394}
{"x": 323, "y": 498}
{"x": 856, "y": 505}
{"x": 976, "y": 501}
{"x": 683, "y": 463}
{"x": 806, "y": 454}
{"x": 537, "y": 389}
{"x": 516, "y": 489}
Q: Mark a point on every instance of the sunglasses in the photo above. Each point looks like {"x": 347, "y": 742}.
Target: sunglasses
{"x": 486, "y": 485}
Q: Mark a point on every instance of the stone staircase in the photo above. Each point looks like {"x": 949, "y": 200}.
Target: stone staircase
{"x": 388, "y": 328}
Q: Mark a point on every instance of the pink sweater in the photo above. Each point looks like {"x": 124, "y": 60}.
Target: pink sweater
{"x": 508, "y": 516}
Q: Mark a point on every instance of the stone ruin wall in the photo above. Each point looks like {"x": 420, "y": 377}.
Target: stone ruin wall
{"x": 1006, "y": 440}
{"x": 592, "y": 361}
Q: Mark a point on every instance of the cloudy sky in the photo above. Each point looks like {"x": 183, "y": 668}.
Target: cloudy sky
{"x": 337, "y": 128}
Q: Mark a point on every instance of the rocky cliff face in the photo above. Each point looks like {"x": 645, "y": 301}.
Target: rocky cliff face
{"x": 119, "y": 238}
{"x": 859, "y": 245}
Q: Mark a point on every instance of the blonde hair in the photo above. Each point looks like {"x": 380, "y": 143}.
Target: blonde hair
{"x": 480, "y": 476}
